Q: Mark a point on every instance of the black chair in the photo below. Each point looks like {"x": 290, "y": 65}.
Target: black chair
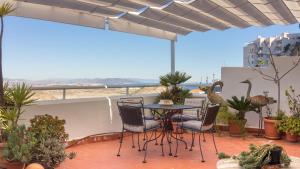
{"x": 201, "y": 126}
{"x": 132, "y": 116}
{"x": 191, "y": 114}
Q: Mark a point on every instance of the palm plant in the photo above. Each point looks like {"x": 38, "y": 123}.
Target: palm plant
{"x": 16, "y": 97}
{"x": 174, "y": 79}
{"x": 241, "y": 105}
{"x": 173, "y": 92}
{"x": 5, "y": 9}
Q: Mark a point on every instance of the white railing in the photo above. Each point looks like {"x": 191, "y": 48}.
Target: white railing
{"x": 127, "y": 88}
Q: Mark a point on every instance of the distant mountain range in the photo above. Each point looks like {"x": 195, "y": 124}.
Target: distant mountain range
{"x": 84, "y": 82}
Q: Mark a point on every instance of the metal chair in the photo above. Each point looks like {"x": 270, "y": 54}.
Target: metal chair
{"x": 191, "y": 114}
{"x": 148, "y": 115}
{"x": 132, "y": 116}
{"x": 201, "y": 126}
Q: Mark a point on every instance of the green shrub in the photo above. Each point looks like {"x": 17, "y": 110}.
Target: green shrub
{"x": 258, "y": 156}
{"x": 51, "y": 136}
{"x": 19, "y": 145}
{"x": 173, "y": 91}
{"x": 223, "y": 155}
{"x": 47, "y": 126}
{"x": 241, "y": 105}
{"x": 290, "y": 125}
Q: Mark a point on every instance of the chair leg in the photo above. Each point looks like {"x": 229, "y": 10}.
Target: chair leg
{"x": 156, "y": 143}
{"x": 139, "y": 142}
{"x": 176, "y": 144}
{"x": 132, "y": 138}
{"x": 146, "y": 147}
{"x": 121, "y": 141}
{"x": 193, "y": 140}
{"x": 201, "y": 148}
{"x": 144, "y": 137}
{"x": 213, "y": 136}
{"x": 204, "y": 140}
{"x": 162, "y": 144}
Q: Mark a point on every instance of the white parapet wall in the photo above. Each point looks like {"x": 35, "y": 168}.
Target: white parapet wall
{"x": 232, "y": 76}
{"x": 84, "y": 117}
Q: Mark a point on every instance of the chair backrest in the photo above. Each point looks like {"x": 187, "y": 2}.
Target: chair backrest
{"x": 132, "y": 113}
{"x": 210, "y": 115}
{"x": 195, "y": 101}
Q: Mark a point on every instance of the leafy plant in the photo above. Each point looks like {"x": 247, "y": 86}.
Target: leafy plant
{"x": 224, "y": 115}
{"x": 16, "y": 97}
{"x": 47, "y": 126}
{"x": 174, "y": 79}
{"x": 293, "y": 101}
{"x": 258, "y": 156}
{"x": 19, "y": 145}
{"x": 290, "y": 125}
{"x": 223, "y": 155}
{"x": 173, "y": 91}
{"x": 50, "y": 153}
{"x": 5, "y": 9}
{"x": 241, "y": 105}
{"x": 51, "y": 136}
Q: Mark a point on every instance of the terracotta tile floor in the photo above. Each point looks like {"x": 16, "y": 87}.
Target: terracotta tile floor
{"x": 102, "y": 155}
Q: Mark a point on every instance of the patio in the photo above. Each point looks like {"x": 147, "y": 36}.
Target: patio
{"x": 103, "y": 154}
{"x": 165, "y": 20}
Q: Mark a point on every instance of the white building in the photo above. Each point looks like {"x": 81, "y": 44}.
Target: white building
{"x": 256, "y": 53}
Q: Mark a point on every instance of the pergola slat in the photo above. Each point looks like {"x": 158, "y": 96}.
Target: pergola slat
{"x": 162, "y": 18}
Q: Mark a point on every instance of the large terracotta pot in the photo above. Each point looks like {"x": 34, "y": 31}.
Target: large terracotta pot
{"x": 271, "y": 131}
{"x": 11, "y": 165}
{"x": 236, "y": 127}
{"x": 291, "y": 137}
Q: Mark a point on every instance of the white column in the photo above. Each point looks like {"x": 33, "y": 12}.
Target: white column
{"x": 172, "y": 56}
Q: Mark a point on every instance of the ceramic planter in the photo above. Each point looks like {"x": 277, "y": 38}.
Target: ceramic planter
{"x": 236, "y": 127}
{"x": 291, "y": 137}
{"x": 271, "y": 131}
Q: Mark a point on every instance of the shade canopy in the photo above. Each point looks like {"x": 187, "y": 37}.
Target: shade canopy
{"x": 161, "y": 18}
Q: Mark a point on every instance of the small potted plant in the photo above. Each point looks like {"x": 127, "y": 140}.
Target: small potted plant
{"x": 264, "y": 156}
{"x": 291, "y": 126}
{"x": 18, "y": 148}
{"x": 237, "y": 122}
{"x": 270, "y": 125}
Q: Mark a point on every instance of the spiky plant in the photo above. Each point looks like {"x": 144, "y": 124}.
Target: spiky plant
{"x": 259, "y": 156}
{"x": 5, "y": 9}
{"x": 173, "y": 91}
{"x": 174, "y": 79}
{"x": 241, "y": 105}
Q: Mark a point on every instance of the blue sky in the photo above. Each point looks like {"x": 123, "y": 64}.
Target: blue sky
{"x": 36, "y": 49}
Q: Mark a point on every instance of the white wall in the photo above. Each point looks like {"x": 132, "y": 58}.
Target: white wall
{"x": 232, "y": 76}
{"x": 83, "y": 117}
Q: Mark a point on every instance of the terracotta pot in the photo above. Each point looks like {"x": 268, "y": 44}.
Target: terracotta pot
{"x": 291, "y": 137}
{"x": 236, "y": 127}
{"x": 271, "y": 131}
{"x": 34, "y": 166}
{"x": 271, "y": 167}
{"x": 11, "y": 165}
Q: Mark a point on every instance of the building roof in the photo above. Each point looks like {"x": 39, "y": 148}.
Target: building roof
{"x": 161, "y": 18}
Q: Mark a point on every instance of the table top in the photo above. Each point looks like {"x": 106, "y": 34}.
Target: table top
{"x": 169, "y": 107}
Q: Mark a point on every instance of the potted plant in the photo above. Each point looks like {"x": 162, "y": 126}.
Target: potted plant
{"x": 291, "y": 126}
{"x": 173, "y": 91}
{"x": 264, "y": 156}
{"x": 270, "y": 123}
{"x": 50, "y": 135}
{"x": 237, "y": 122}
{"x": 18, "y": 148}
{"x": 15, "y": 98}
